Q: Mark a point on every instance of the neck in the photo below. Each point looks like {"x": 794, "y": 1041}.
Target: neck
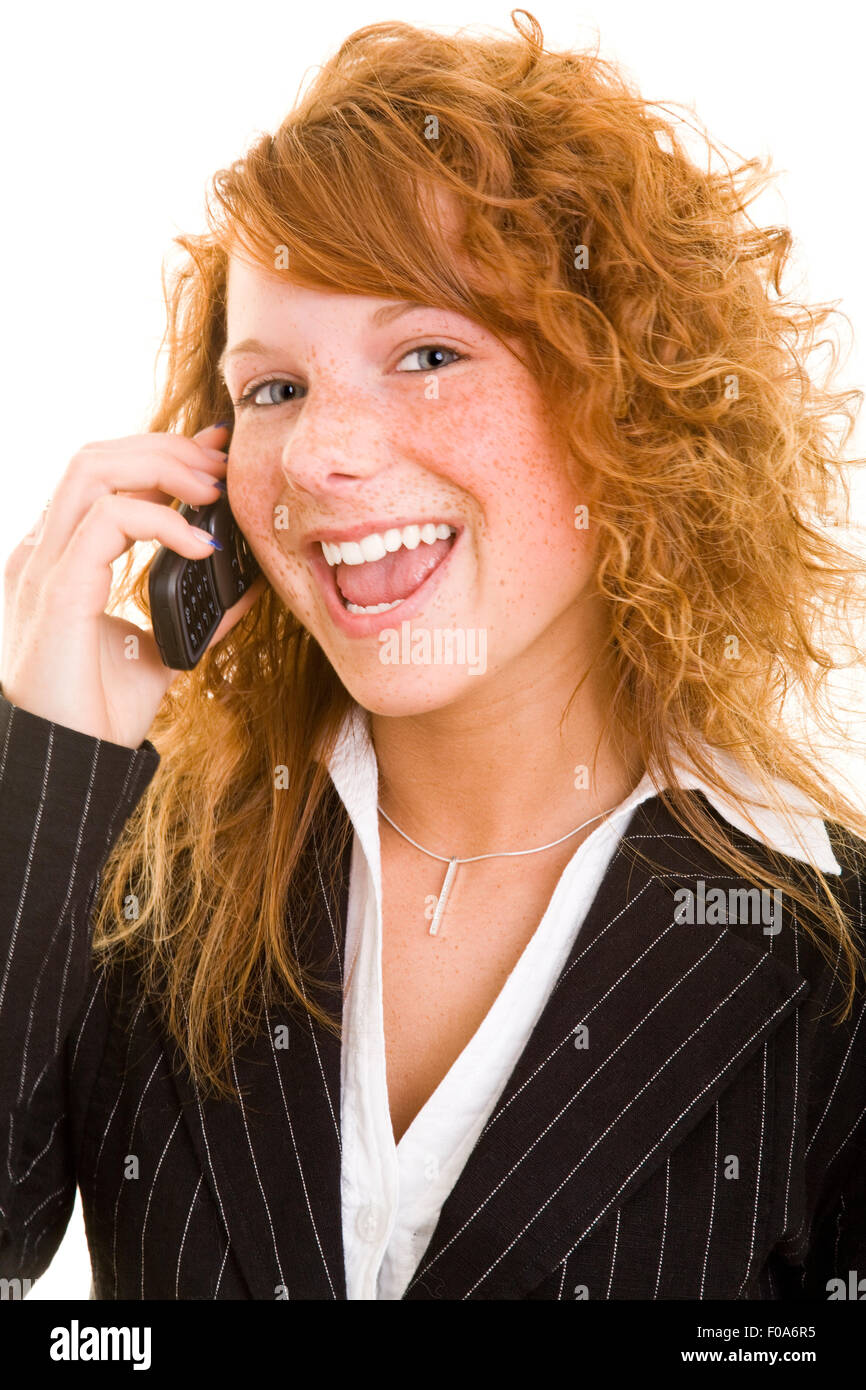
{"x": 496, "y": 770}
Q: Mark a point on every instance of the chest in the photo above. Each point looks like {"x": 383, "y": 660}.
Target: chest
{"x": 437, "y": 990}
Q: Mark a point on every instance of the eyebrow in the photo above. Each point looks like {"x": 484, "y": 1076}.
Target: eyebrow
{"x": 378, "y": 318}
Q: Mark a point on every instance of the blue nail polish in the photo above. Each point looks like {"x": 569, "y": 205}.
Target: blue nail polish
{"x": 218, "y": 482}
{"x": 222, "y": 425}
{"x": 215, "y": 543}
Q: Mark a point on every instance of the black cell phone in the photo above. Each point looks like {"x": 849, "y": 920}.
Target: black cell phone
{"x": 189, "y": 597}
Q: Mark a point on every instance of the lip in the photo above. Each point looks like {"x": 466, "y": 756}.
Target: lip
{"x": 368, "y": 624}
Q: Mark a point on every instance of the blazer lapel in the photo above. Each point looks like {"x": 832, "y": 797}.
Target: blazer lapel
{"x": 664, "y": 1015}
{"x": 649, "y": 1021}
{"x": 273, "y": 1163}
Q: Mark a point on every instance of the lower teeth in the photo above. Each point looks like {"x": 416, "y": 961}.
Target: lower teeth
{"x": 374, "y": 608}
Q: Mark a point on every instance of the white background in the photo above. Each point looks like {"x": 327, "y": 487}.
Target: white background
{"x": 116, "y": 116}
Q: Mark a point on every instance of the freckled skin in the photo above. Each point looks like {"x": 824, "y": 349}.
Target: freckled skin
{"x": 362, "y": 441}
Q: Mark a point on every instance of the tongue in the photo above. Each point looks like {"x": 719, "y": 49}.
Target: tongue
{"x": 396, "y": 576}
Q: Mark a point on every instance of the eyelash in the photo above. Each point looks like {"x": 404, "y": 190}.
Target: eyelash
{"x": 245, "y": 401}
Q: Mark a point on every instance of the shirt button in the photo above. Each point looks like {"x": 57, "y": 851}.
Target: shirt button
{"x": 368, "y": 1223}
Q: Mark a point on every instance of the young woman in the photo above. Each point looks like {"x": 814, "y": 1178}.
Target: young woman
{"x": 469, "y": 922}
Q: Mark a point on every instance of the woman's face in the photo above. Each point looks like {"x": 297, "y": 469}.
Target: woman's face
{"x": 395, "y": 474}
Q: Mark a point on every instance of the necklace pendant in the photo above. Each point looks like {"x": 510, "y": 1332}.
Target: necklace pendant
{"x": 443, "y": 897}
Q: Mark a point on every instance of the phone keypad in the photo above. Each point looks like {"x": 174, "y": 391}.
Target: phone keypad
{"x": 201, "y": 611}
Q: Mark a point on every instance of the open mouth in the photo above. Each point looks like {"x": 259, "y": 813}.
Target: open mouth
{"x": 380, "y": 570}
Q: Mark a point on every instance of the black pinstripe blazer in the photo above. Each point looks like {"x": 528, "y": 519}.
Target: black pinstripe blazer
{"x": 709, "y": 1141}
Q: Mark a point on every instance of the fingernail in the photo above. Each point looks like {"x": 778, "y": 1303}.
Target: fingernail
{"x": 222, "y": 425}
{"x": 206, "y": 536}
{"x": 210, "y": 479}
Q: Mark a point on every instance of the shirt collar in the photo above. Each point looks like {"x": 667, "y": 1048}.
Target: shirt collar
{"x": 800, "y": 833}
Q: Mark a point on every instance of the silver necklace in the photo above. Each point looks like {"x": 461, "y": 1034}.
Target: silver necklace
{"x": 452, "y": 861}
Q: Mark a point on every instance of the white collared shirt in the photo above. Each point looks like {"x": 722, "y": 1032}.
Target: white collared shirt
{"x": 392, "y": 1194}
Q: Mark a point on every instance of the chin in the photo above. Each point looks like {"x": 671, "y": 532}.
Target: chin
{"x": 400, "y": 692}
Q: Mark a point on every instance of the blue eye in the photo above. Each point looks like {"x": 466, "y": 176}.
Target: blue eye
{"x": 248, "y": 398}
{"x": 432, "y": 347}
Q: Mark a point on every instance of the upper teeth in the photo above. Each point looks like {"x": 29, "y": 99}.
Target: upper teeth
{"x": 376, "y": 545}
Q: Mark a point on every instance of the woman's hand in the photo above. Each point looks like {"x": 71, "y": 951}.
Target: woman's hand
{"x": 63, "y": 657}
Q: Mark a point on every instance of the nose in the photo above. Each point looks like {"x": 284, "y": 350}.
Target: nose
{"x": 337, "y": 445}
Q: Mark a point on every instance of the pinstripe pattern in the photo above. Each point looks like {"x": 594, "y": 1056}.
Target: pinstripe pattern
{"x": 710, "y": 1142}
{"x": 664, "y": 1225}
{"x": 297, "y": 1155}
{"x": 715, "y": 1173}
